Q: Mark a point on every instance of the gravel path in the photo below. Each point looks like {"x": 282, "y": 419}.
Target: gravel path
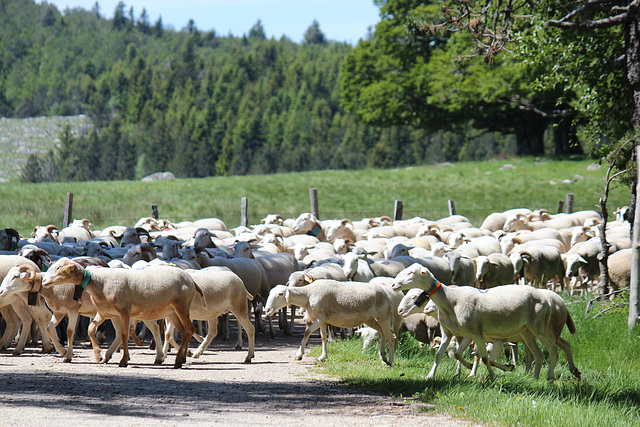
{"x": 37, "y": 389}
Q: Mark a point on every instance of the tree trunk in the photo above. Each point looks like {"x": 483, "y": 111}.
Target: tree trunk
{"x": 632, "y": 75}
{"x": 635, "y": 259}
{"x": 565, "y": 137}
{"x": 529, "y": 130}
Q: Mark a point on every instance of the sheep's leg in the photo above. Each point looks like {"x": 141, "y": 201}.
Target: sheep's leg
{"x": 132, "y": 333}
{"x": 155, "y": 331}
{"x": 56, "y": 318}
{"x": 530, "y": 342}
{"x": 117, "y": 342}
{"x": 289, "y": 330}
{"x": 213, "y": 331}
{"x": 496, "y": 349}
{"x": 566, "y": 347}
{"x": 387, "y": 332}
{"x": 310, "y": 329}
{"x": 41, "y": 315}
{"x": 257, "y": 313}
{"x": 552, "y": 348}
{"x": 323, "y": 336}
{"x": 124, "y": 333}
{"x": 239, "y": 343}
{"x": 446, "y": 339}
{"x": 11, "y": 326}
{"x": 183, "y": 323}
{"x": 224, "y": 327}
{"x": 245, "y": 323}
{"x": 26, "y": 319}
{"x": 169, "y": 337}
{"x": 462, "y": 346}
{"x": 91, "y": 331}
{"x": 72, "y": 322}
{"x": 482, "y": 351}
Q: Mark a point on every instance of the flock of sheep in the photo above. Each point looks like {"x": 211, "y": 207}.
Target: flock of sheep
{"x": 494, "y": 284}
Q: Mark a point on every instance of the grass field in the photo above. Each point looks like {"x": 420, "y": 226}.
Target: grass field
{"x": 607, "y": 395}
{"x": 477, "y": 188}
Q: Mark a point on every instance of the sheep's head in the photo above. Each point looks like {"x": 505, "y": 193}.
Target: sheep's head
{"x": 408, "y": 305}
{"x": 63, "y": 271}
{"x": 18, "y": 279}
{"x": 278, "y": 298}
{"x": 304, "y": 223}
{"x": 414, "y": 276}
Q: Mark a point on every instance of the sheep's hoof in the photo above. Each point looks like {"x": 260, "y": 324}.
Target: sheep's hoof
{"x": 66, "y": 360}
{"x": 17, "y": 352}
{"x": 247, "y": 360}
{"x": 194, "y": 355}
{"x": 123, "y": 364}
{"x": 238, "y": 347}
{"x": 510, "y": 367}
{"x": 158, "y": 361}
{"x": 576, "y": 373}
{"x": 298, "y": 356}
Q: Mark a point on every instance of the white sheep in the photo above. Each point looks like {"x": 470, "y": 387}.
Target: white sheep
{"x": 343, "y": 304}
{"x": 223, "y": 292}
{"x": 620, "y": 269}
{"x": 149, "y": 294}
{"x": 494, "y": 270}
{"x": 540, "y": 264}
{"x": 498, "y": 313}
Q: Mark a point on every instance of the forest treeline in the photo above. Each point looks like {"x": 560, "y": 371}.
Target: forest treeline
{"x": 198, "y": 103}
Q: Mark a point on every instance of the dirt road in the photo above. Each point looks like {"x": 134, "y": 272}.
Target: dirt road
{"x": 37, "y": 389}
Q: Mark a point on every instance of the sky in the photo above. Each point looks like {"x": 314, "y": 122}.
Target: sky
{"x": 340, "y": 20}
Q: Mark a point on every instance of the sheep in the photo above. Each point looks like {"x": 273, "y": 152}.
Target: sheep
{"x": 494, "y": 270}
{"x": 9, "y": 239}
{"x": 508, "y": 241}
{"x": 344, "y": 229}
{"x": 497, "y": 313}
{"x": 24, "y": 278}
{"x": 18, "y": 305}
{"x": 223, "y": 292}
{"x": 41, "y": 233}
{"x": 252, "y": 274}
{"x": 463, "y": 269}
{"x": 343, "y": 304}
{"x": 78, "y": 230}
{"x": 620, "y": 269}
{"x": 149, "y": 294}
{"x": 422, "y": 327}
{"x": 540, "y": 264}
{"x": 134, "y": 236}
{"x": 307, "y": 223}
{"x": 356, "y": 267}
{"x": 581, "y": 263}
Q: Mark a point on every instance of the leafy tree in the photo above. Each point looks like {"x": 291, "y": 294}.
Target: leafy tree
{"x": 31, "y": 171}
{"x": 257, "y": 31}
{"x": 314, "y": 35}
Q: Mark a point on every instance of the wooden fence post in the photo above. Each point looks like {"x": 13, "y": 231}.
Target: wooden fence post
{"x": 452, "y": 207}
{"x": 154, "y": 211}
{"x": 569, "y": 203}
{"x": 68, "y": 210}
{"x": 244, "y": 205}
{"x": 560, "y": 206}
{"x": 313, "y": 198}
{"x": 397, "y": 210}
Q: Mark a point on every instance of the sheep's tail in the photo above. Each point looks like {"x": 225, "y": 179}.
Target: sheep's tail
{"x": 249, "y": 296}
{"x": 199, "y": 290}
{"x": 570, "y": 324}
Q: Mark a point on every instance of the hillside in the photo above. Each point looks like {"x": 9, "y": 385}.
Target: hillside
{"x": 36, "y": 135}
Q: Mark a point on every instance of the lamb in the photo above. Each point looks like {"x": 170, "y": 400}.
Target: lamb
{"x": 223, "y": 292}
{"x": 497, "y": 313}
{"x": 494, "y": 270}
{"x": 149, "y": 294}
{"x": 343, "y": 304}
{"x": 356, "y": 267}
{"x": 540, "y": 264}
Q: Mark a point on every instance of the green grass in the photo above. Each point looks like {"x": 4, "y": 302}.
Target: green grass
{"x": 478, "y": 188}
{"x": 608, "y": 393}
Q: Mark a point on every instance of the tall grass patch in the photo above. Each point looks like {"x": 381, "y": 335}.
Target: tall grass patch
{"x": 477, "y": 188}
{"x": 607, "y": 394}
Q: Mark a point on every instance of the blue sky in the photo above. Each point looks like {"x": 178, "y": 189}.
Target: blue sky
{"x": 341, "y": 20}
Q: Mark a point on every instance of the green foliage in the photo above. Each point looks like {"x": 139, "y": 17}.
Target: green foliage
{"x": 199, "y": 104}
{"x": 434, "y": 80}
{"x": 603, "y": 350}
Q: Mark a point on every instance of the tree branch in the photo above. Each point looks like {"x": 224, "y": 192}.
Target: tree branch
{"x": 612, "y": 21}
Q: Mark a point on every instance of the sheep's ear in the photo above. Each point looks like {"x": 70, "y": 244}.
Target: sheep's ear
{"x": 308, "y": 278}
{"x": 286, "y": 295}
